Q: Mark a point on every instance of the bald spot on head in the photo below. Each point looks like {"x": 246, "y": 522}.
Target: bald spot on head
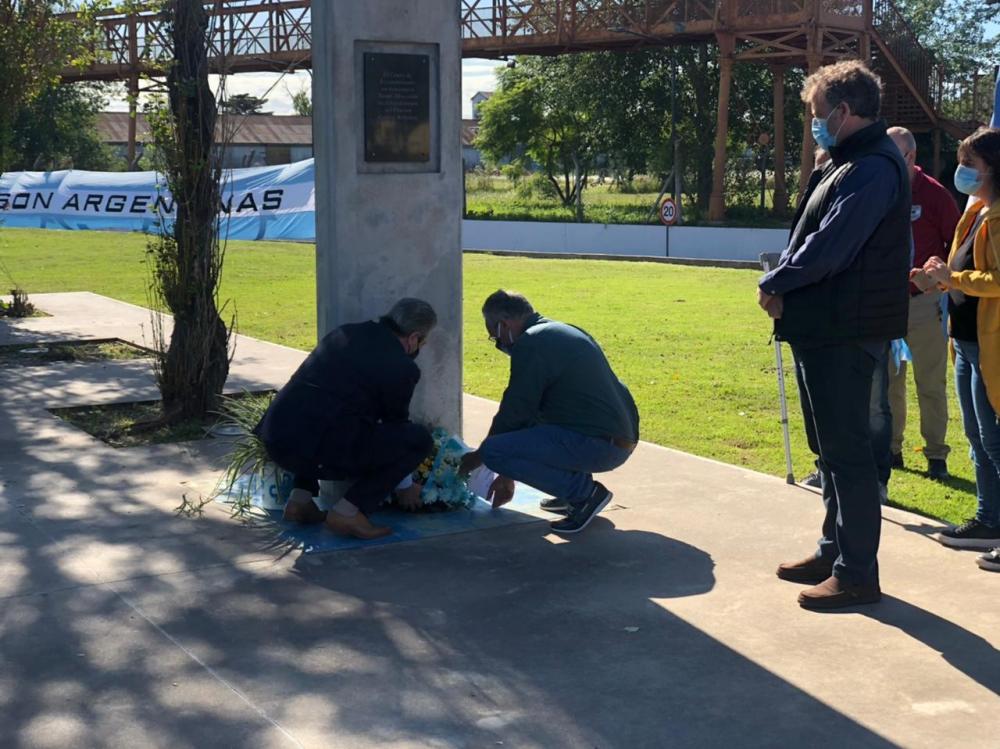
{"x": 903, "y": 139}
{"x": 906, "y": 144}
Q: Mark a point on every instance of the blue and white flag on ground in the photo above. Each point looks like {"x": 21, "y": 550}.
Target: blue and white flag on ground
{"x": 271, "y": 202}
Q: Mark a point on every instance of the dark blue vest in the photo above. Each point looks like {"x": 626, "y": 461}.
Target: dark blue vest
{"x": 869, "y": 301}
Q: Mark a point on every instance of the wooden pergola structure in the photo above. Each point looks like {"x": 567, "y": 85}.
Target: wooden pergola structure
{"x": 276, "y": 35}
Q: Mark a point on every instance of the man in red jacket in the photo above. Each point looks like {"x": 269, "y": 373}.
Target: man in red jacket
{"x": 934, "y": 216}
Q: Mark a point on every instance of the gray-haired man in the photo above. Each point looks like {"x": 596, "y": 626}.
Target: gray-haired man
{"x": 564, "y": 415}
{"x": 345, "y": 415}
{"x": 838, "y": 296}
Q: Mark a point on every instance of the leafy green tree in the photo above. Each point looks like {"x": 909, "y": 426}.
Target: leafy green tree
{"x": 697, "y": 89}
{"x": 35, "y": 47}
{"x": 543, "y": 113}
{"x": 243, "y": 104}
{"x": 302, "y": 102}
{"x": 58, "y": 130}
{"x": 958, "y": 32}
{"x": 613, "y": 111}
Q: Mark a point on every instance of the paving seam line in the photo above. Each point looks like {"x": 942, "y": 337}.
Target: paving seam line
{"x": 167, "y": 316}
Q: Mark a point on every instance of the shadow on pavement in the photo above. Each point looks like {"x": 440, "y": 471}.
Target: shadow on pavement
{"x": 122, "y": 624}
{"x": 965, "y": 651}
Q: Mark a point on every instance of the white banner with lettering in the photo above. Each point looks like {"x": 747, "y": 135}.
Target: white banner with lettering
{"x": 272, "y": 202}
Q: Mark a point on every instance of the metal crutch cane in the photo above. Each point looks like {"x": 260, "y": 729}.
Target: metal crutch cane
{"x": 769, "y": 260}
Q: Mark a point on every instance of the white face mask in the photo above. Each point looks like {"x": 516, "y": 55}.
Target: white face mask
{"x": 821, "y": 131}
{"x": 967, "y": 179}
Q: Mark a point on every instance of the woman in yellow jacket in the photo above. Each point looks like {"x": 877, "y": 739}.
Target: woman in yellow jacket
{"x": 972, "y": 279}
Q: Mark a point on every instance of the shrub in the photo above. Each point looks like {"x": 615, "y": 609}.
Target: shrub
{"x": 19, "y": 305}
{"x": 514, "y": 173}
{"x": 537, "y": 186}
{"x": 479, "y": 180}
{"x": 641, "y": 184}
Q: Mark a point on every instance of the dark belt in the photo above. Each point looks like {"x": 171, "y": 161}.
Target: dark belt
{"x": 623, "y": 444}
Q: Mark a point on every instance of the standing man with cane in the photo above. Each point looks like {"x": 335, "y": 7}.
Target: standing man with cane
{"x": 838, "y": 296}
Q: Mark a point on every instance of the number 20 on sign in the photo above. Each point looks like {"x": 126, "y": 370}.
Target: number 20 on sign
{"x": 668, "y": 212}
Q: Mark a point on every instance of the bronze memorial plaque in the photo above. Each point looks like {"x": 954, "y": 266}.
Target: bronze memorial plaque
{"x": 397, "y": 107}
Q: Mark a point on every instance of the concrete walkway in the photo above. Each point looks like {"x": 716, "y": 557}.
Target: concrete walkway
{"x": 661, "y": 626}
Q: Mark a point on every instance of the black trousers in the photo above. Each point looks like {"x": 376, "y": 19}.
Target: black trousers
{"x": 835, "y": 387}
{"x": 384, "y": 458}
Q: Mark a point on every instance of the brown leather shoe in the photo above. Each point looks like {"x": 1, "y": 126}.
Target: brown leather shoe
{"x": 811, "y": 570}
{"x": 834, "y": 593}
{"x": 358, "y": 526}
{"x": 306, "y": 512}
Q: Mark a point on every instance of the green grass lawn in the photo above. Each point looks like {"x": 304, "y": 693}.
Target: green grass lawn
{"x": 689, "y": 342}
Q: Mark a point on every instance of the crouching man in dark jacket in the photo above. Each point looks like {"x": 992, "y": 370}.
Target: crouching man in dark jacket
{"x": 564, "y": 415}
{"x": 345, "y": 415}
{"x": 839, "y": 294}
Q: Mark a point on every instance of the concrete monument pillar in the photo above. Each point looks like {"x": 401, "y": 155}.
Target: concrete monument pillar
{"x": 386, "y": 129}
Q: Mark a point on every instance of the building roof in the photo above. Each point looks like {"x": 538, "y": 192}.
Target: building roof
{"x": 254, "y": 129}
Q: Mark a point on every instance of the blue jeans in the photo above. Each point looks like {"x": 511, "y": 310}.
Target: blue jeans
{"x": 556, "y": 460}
{"x": 835, "y": 384}
{"x": 982, "y": 430}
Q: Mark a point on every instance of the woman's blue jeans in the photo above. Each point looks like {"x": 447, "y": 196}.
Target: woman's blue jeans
{"x": 982, "y": 430}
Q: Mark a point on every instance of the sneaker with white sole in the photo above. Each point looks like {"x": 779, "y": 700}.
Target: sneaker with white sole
{"x": 972, "y": 534}
{"x": 990, "y": 560}
{"x": 555, "y": 504}
{"x": 581, "y": 513}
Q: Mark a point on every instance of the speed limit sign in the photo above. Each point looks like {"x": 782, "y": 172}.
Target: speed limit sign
{"x": 668, "y": 212}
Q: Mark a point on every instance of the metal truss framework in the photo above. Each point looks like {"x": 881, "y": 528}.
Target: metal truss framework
{"x": 245, "y": 36}
{"x": 276, "y": 35}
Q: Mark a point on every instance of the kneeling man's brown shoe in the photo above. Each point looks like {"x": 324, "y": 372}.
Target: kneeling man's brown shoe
{"x": 358, "y": 526}
{"x": 811, "y": 570}
{"x": 834, "y": 593}
{"x": 303, "y": 512}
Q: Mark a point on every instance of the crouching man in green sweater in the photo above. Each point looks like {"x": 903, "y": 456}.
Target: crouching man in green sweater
{"x": 564, "y": 415}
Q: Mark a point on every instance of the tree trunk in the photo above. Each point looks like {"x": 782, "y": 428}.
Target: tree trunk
{"x": 578, "y": 190}
{"x": 194, "y": 368}
{"x": 701, "y": 74}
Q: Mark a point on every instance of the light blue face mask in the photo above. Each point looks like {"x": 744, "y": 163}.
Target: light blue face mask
{"x": 967, "y": 179}
{"x": 821, "y": 131}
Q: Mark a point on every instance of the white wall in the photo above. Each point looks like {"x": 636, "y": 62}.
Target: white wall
{"x": 697, "y": 242}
